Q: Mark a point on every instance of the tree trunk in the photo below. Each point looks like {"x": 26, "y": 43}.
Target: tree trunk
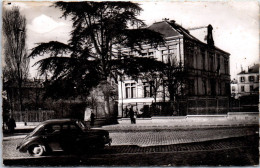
{"x": 20, "y": 100}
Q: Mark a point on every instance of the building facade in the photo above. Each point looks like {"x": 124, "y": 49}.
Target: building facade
{"x": 207, "y": 77}
{"x": 234, "y": 88}
{"x": 247, "y": 82}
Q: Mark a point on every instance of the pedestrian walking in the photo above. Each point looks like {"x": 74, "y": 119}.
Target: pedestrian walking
{"x": 131, "y": 113}
{"x": 11, "y": 124}
{"x": 135, "y": 116}
{"x": 92, "y": 119}
{"x": 126, "y": 112}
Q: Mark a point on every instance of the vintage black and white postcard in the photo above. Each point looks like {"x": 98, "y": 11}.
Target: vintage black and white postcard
{"x": 130, "y": 83}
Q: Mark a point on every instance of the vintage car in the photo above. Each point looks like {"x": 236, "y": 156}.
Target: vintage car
{"x": 63, "y": 135}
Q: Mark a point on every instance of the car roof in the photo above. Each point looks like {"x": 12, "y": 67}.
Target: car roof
{"x": 58, "y": 121}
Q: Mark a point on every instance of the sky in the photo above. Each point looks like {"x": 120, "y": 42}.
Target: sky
{"x": 235, "y": 25}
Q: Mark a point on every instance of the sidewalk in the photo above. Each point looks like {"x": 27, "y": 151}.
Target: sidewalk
{"x": 180, "y": 124}
{"x": 232, "y": 119}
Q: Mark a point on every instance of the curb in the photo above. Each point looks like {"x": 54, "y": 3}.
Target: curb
{"x": 13, "y": 137}
{"x": 140, "y": 127}
{"x": 121, "y": 128}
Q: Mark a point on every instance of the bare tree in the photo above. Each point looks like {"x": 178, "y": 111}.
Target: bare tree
{"x": 16, "y": 62}
{"x": 175, "y": 82}
{"x": 154, "y": 81}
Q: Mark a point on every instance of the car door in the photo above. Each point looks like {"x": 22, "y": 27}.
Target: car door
{"x": 52, "y": 136}
{"x": 69, "y": 136}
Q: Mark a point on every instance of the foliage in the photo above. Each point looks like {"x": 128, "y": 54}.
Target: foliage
{"x": 92, "y": 54}
{"x": 175, "y": 83}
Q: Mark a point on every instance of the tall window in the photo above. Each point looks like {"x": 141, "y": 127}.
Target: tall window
{"x": 251, "y": 88}
{"x": 226, "y": 66}
{"x": 191, "y": 89}
{"x": 169, "y": 55}
{"x": 164, "y": 56}
{"x": 148, "y": 89}
{"x": 203, "y": 57}
{"x": 213, "y": 87}
{"x": 204, "y": 82}
{"x": 218, "y": 62}
{"x": 219, "y": 88}
{"x": 190, "y": 55}
{"x": 233, "y": 88}
{"x": 211, "y": 61}
{"x": 242, "y": 88}
{"x": 130, "y": 89}
{"x": 227, "y": 88}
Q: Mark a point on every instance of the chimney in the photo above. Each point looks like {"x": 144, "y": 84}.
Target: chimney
{"x": 165, "y": 19}
{"x": 210, "y": 40}
{"x": 246, "y": 70}
{"x": 172, "y": 21}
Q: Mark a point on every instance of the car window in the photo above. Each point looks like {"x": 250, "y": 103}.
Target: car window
{"x": 82, "y": 125}
{"x": 52, "y": 129}
{"x": 65, "y": 127}
{"x": 56, "y": 128}
{"x": 70, "y": 128}
{"x": 36, "y": 131}
{"x": 73, "y": 127}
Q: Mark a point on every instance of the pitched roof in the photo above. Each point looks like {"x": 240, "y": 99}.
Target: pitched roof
{"x": 164, "y": 28}
{"x": 170, "y": 29}
{"x": 253, "y": 69}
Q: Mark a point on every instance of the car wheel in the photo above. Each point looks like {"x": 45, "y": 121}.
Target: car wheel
{"x": 36, "y": 150}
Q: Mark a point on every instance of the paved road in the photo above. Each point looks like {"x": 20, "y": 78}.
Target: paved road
{"x": 158, "y": 136}
{"x": 151, "y": 137}
{"x": 239, "y": 151}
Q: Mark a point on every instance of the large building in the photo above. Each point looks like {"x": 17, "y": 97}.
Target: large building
{"x": 207, "y": 77}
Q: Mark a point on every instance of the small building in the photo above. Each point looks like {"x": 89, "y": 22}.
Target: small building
{"x": 207, "y": 77}
{"x": 245, "y": 90}
{"x": 248, "y": 81}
